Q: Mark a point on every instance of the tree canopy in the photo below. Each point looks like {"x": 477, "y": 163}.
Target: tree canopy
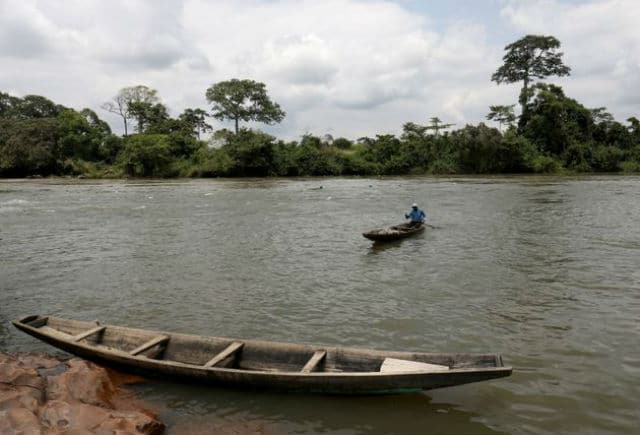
{"x": 531, "y": 57}
{"x": 556, "y": 133}
{"x": 243, "y": 100}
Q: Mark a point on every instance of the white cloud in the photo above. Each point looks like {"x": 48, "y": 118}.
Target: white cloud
{"x": 601, "y": 42}
{"x": 348, "y": 67}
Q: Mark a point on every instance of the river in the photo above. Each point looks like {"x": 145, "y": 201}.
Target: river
{"x": 544, "y": 270}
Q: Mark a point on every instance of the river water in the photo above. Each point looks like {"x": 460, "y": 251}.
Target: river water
{"x": 544, "y": 270}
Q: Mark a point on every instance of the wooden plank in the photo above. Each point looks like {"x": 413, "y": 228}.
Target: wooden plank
{"x": 226, "y": 353}
{"x": 393, "y": 365}
{"x": 313, "y": 362}
{"x": 89, "y": 333}
{"x": 160, "y": 339}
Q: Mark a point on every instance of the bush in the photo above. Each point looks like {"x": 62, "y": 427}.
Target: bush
{"x": 443, "y": 166}
{"x": 342, "y": 143}
{"x": 146, "y": 155}
{"x": 608, "y": 158}
{"x": 630, "y": 166}
{"x": 208, "y": 162}
{"x": 544, "y": 164}
{"x": 313, "y": 161}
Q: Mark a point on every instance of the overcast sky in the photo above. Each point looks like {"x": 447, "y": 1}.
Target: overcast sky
{"x": 345, "y": 67}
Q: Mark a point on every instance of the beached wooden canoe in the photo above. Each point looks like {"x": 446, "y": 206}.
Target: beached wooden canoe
{"x": 261, "y": 364}
{"x": 395, "y": 232}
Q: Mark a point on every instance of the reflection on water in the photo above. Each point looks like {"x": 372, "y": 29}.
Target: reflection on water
{"x": 544, "y": 270}
{"x": 229, "y": 411}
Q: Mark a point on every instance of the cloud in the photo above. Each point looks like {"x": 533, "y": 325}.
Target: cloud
{"x": 24, "y": 32}
{"x": 601, "y": 43}
{"x": 350, "y": 67}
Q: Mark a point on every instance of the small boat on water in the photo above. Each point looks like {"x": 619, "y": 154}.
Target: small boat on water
{"x": 262, "y": 364}
{"x": 395, "y": 232}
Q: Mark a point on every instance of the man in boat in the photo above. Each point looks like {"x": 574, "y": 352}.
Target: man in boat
{"x": 416, "y": 215}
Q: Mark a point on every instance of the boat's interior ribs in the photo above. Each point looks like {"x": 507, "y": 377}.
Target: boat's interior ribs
{"x": 160, "y": 341}
{"x": 314, "y": 361}
{"x": 227, "y": 356}
{"x": 97, "y": 330}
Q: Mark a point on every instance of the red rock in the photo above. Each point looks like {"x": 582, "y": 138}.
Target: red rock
{"x": 83, "y": 381}
{"x": 41, "y": 394}
{"x": 19, "y": 421}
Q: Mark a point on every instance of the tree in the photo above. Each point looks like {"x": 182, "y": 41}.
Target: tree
{"x": 121, "y": 104}
{"x": 502, "y": 115}
{"x": 437, "y": 125}
{"x": 253, "y": 153}
{"x": 151, "y": 118}
{"x": 196, "y": 120}
{"x": 243, "y": 100}
{"x": 8, "y": 105}
{"x": 78, "y": 137}
{"x": 556, "y": 122}
{"x": 37, "y": 106}
{"x": 146, "y": 155}
{"x": 342, "y": 143}
{"x": 531, "y": 57}
{"x": 28, "y": 147}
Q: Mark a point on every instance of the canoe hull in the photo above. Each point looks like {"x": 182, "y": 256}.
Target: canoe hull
{"x": 366, "y": 382}
{"x": 396, "y": 232}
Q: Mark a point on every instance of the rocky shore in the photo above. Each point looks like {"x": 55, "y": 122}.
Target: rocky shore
{"x": 40, "y": 394}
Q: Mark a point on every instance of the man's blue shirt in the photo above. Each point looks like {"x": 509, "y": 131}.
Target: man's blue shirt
{"x": 416, "y": 215}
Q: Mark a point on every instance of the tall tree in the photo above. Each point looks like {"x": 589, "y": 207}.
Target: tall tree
{"x": 148, "y": 116}
{"x": 121, "y": 104}
{"x": 437, "y": 125}
{"x": 502, "y": 114}
{"x": 196, "y": 119}
{"x": 243, "y": 100}
{"x": 531, "y": 57}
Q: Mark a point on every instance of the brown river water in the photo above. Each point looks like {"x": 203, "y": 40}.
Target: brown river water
{"x": 544, "y": 270}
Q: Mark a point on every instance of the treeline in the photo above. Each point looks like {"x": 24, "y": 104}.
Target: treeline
{"x": 553, "y": 133}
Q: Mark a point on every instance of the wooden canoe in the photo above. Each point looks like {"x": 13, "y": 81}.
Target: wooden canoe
{"x": 261, "y": 364}
{"x": 395, "y": 232}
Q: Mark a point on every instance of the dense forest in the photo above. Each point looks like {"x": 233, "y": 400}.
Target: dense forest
{"x": 552, "y": 133}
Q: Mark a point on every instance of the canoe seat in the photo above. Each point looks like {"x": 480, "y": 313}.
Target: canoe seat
{"x": 393, "y": 365}
{"x": 160, "y": 339}
{"x": 89, "y": 333}
{"x": 313, "y": 362}
{"x": 226, "y": 353}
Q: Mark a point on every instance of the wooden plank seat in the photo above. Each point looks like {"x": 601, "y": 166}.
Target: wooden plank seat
{"x": 394, "y": 365}
{"x": 160, "y": 339}
{"x": 226, "y": 353}
{"x": 89, "y": 333}
{"x": 313, "y": 362}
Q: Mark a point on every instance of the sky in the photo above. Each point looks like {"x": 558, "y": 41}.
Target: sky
{"x": 347, "y": 68}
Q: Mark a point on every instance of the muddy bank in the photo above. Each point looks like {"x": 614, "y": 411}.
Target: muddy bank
{"x": 40, "y": 394}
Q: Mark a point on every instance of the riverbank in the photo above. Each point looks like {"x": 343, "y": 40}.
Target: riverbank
{"x": 43, "y": 394}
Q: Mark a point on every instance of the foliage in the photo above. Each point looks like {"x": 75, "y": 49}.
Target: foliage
{"x": 437, "y": 125}
{"x": 502, "y": 115}
{"x": 531, "y": 57}
{"x": 146, "y": 155}
{"x": 555, "y": 133}
{"x": 28, "y": 147}
{"x": 195, "y": 121}
{"x": 253, "y": 153}
{"x": 342, "y": 143}
{"x": 130, "y": 102}
{"x": 556, "y": 121}
{"x": 243, "y": 100}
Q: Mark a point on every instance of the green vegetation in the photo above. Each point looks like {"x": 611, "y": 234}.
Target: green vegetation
{"x": 553, "y": 133}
